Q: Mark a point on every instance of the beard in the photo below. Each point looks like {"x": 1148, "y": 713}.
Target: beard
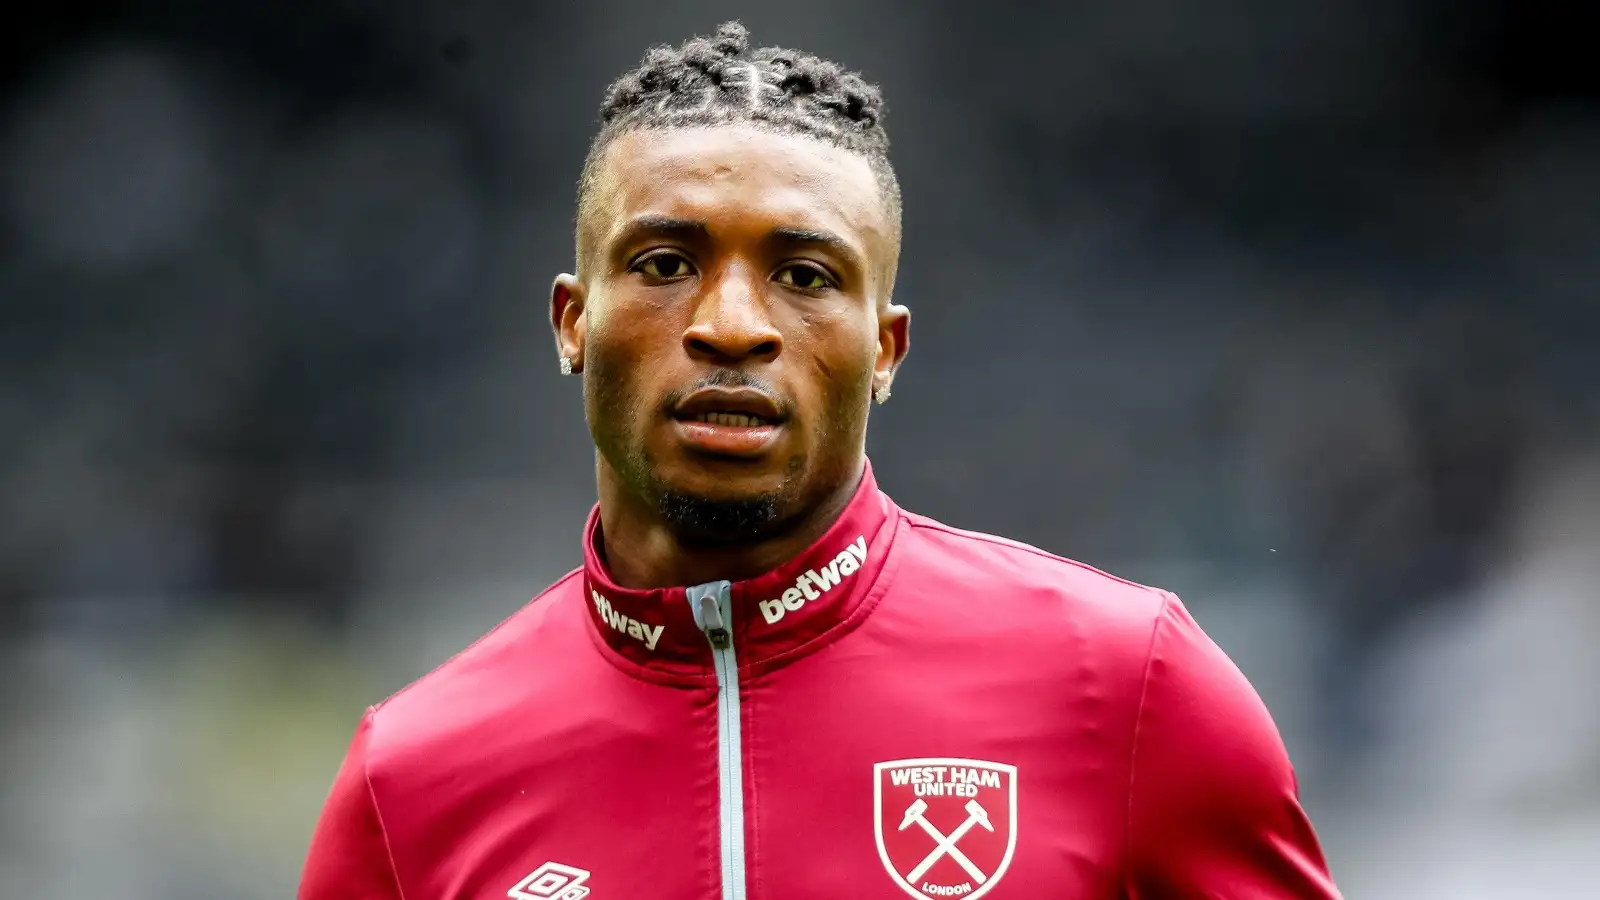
{"x": 709, "y": 522}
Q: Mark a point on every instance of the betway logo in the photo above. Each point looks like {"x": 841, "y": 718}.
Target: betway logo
{"x": 639, "y": 631}
{"x": 813, "y": 583}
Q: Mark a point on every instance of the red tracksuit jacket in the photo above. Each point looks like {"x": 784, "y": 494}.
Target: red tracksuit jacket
{"x": 903, "y": 709}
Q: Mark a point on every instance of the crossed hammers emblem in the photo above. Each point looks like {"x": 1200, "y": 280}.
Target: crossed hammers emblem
{"x": 946, "y": 843}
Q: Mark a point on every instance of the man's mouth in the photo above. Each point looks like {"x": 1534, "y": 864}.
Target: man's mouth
{"x": 726, "y": 422}
{"x": 730, "y": 407}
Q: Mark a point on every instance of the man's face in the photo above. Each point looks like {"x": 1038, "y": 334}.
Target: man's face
{"x": 731, "y": 320}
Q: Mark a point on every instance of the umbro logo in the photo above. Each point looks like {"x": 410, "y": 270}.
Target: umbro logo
{"x": 552, "y": 881}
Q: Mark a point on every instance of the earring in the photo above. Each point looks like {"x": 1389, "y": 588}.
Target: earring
{"x": 881, "y": 395}
{"x": 566, "y": 366}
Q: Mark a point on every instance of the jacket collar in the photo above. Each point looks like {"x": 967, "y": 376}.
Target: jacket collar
{"x": 771, "y": 614}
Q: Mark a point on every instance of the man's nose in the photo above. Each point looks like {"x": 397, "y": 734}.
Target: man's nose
{"x": 732, "y": 322}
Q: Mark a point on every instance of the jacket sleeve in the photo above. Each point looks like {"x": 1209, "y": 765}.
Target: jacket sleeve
{"x": 1213, "y": 806}
{"x": 349, "y": 857}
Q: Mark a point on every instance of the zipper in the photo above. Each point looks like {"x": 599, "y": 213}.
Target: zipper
{"x": 713, "y": 611}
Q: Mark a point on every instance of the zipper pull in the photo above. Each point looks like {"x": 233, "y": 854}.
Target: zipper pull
{"x": 706, "y": 600}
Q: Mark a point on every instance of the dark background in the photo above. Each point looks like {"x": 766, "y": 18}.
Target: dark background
{"x": 1290, "y": 307}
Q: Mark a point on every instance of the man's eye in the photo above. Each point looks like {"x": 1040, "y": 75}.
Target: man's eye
{"x": 806, "y": 278}
{"x": 665, "y": 266}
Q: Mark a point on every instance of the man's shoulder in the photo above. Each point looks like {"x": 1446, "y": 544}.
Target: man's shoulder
{"x": 1023, "y": 584}
{"x": 490, "y": 676}
{"x": 997, "y": 559}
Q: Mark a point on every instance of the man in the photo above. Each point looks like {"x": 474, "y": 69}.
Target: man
{"x": 767, "y": 680}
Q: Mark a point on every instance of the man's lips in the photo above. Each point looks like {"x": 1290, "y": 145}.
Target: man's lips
{"x": 745, "y": 441}
{"x": 736, "y": 422}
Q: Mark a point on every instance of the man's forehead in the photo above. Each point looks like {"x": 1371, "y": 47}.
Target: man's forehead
{"x": 715, "y": 173}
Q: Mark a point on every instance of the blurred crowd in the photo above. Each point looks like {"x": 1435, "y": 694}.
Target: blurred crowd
{"x": 1290, "y": 308}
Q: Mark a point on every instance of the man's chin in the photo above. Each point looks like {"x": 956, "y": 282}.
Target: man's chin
{"x": 719, "y": 520}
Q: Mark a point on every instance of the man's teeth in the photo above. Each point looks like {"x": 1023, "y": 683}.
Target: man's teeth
{"x": 731, "y": 420}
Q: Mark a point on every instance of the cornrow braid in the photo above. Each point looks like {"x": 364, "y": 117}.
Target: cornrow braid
{"x": 720, "y": 80}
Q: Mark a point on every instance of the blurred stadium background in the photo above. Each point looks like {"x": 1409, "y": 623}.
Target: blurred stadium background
{"x": 1291, "y": 307}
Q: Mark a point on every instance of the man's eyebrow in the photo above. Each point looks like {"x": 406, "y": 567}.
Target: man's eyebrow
{"x": 807, "y": 236}
{"x": 666, "y": 226}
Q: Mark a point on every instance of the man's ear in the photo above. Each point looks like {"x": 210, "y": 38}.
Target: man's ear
{"x": 567, "y": 300}
{"x": 894, "y": 339}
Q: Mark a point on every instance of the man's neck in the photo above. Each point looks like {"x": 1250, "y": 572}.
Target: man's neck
{"x": 641, "y": 551}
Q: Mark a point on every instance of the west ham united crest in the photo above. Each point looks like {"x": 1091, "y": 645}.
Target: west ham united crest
{"x": 946, "y": 827}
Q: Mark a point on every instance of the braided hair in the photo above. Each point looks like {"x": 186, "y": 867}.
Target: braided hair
{"x": 720, "y": 80}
